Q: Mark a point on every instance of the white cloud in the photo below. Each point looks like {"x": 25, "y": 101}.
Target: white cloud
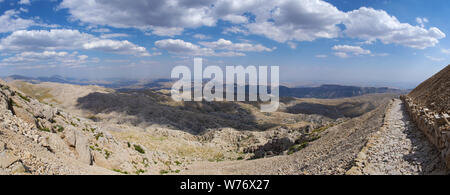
{"x": 350, "y": 50}
{"x": 101, "y": 30}
{"x": 370, "y": 24}
{"x": 293, "y": 20}
{"x": 118, "y": 47}
{"x": 113, "y": 35}
{"x": 446, "y": 51}
{"x": 55, "y": 39}
{"x": 292, "y": 45}
{"x": 83, "y": 57}
{"x": 158, "y": 15}
{"x": 223, "y": 44}
{"x": 235, "y": 19}
{"x": 341, "y": 54}
{"x": 10, "y": 21}
{"x": 201, "y": 36}
{"x": 167, "y": 31}
{"x": 285, "y": 21}
{"x": 45, "y": 59}
{"x": 435, "y": 58}
{"x": 24, "y": 2}
{"x": 422, "y": 21}
{"x": 235, "y": 30}
{"x": 35, "y": 56}
{"x": 178, "y": 46}
{"x": 65, "y": 39}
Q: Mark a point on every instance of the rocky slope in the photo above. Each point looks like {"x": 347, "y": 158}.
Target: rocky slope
{"x": 434, "y": 93}
{"x": 145, "y": 132}
{"x": 429, "y": 107}
{"x": 36, "y": 138}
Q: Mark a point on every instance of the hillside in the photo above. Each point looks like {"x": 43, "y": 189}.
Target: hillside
{"x": 434, "y": 93}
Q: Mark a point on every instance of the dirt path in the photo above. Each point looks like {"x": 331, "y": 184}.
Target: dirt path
{"x": 399, "y": 148}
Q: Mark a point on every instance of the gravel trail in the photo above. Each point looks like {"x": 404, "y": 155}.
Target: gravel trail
{"x": 400, "y": 148}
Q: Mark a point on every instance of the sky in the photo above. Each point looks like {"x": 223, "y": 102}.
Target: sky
{"x": 394, "y": 43}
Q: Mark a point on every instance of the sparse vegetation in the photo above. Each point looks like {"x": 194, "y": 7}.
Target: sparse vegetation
{"x": 140, "y": 171}
{"x": 44, "y": 129}
{"x": 120, "y": 171}
{"x": 24, "y": 97}
{"x": 107, "y": 153}
{"x": 298, "y": 147}
{"x": 98, "y": 135}
{"x": 73, "y": 124}
{"x": 162, "y": 172}
{"x": 139, "y": 149}
{"x": 59, "y": 128}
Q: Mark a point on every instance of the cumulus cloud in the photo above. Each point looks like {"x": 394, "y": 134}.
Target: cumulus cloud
{"x": 65, "y": 39}
{"x": 370, "y": 24}
{"x": 35, "y": 56}
{"x": 158, "y": 15}
{"x": 10, "y": 21}
{"x": 223, "y": 44}
{"x": 299, "y": 20}
{"x": 285, "y": 21}
{"x": 118, "y": 47}
{"x": 167, "y": 31}
{"x": 345, "y": 51}
{"x": 178, "y": 46}
{"x": 31, "y": 60}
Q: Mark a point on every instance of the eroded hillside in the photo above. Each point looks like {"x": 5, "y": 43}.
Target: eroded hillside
{"x": 177, "y": 137}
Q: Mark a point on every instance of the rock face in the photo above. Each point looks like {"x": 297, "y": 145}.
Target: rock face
{"x": 7, "y": 159}
{"x": 82, "y": 147}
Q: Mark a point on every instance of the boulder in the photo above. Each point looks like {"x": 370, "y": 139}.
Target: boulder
{"x": 48, "y": 112}
{"x": 83, "y": 150}
{"x": 2, "y": 146}
{"x": 57, "y": 145}
{"x": 18, "y": 168}
{"x": 101, "y": 161}
{"x": 69, "y": 134}
{"x": 7, "y": 159}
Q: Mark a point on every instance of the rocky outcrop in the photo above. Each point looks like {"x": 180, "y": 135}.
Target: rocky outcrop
{"x": 435, "y": 125}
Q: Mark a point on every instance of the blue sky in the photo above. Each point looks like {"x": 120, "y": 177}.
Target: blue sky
{"x": 396, "y": 43}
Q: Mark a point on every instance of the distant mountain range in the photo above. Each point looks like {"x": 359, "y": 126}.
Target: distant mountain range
{"x": 322, "y": 92}
{"x": 334, "y": 91}
{"x": 110, "y": 83}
